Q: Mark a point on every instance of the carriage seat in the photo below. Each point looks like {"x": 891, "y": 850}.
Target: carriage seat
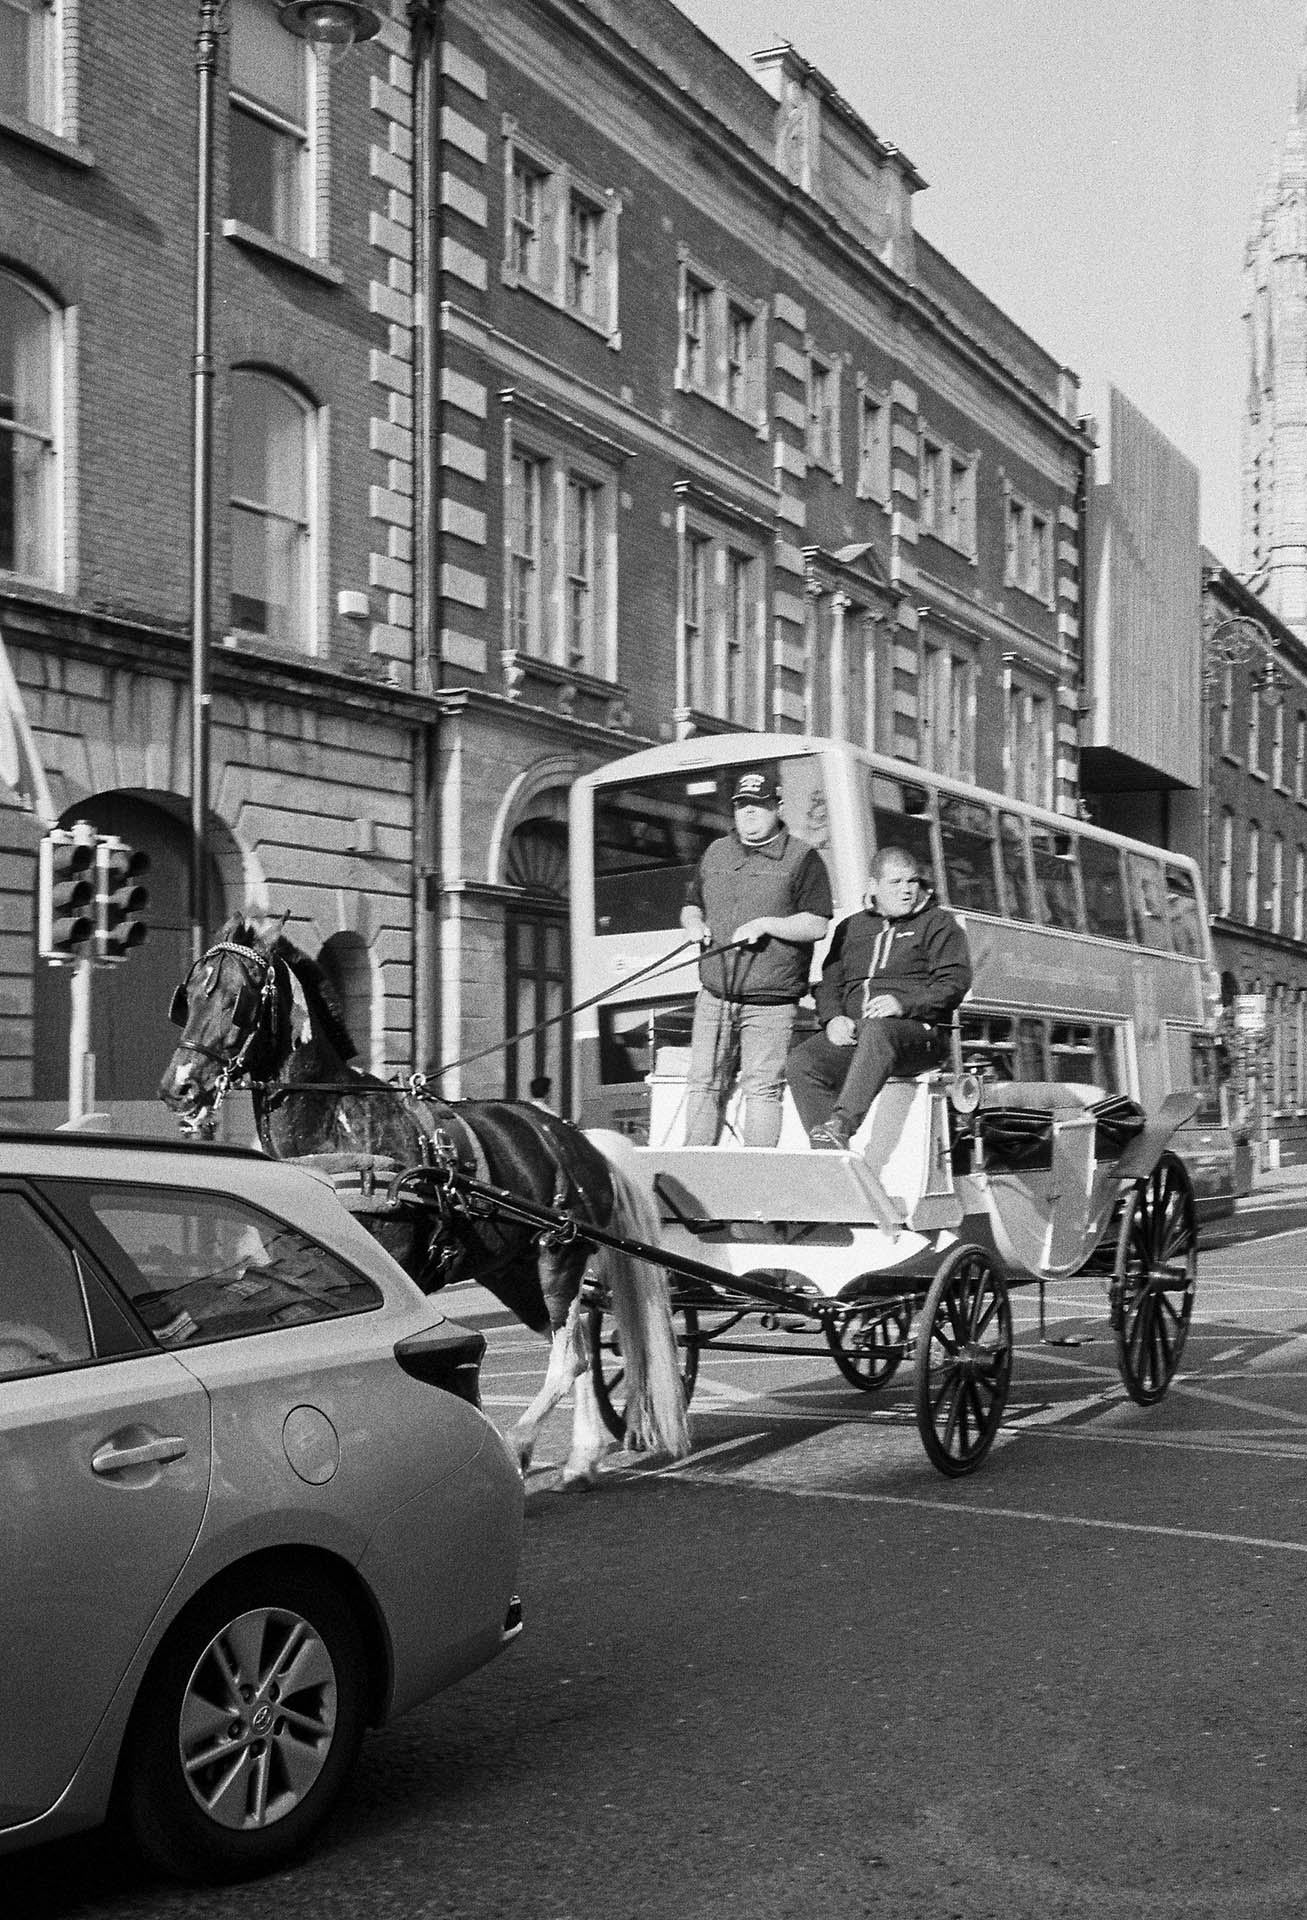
{"x": 1040, "y": 1096}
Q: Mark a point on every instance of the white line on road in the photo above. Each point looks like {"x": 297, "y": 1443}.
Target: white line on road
{"x": 1208, "y": 1536}
{"x": 705, "y": 1453}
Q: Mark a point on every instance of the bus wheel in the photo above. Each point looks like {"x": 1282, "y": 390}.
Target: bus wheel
{"x": 963, "y": 1364}
{"x": 608, "y": 1368}
{"x": 1154, "y": 1278}
{"x": 868, "y": 1346}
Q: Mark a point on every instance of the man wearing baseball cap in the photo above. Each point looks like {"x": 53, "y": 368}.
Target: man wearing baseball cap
{"x": 763, "y": 896}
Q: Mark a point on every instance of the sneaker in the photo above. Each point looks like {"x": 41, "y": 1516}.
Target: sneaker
{"x": 832, "y": 1135}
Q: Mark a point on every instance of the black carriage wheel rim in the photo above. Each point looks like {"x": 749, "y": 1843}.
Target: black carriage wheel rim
{"x": 966, "y": 1364}
{"x": 1155, "y": 1280}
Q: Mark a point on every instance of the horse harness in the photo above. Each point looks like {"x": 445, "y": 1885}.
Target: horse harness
{"x": 258, "y": 995}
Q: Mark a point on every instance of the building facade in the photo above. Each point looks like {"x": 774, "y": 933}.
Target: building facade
{"x": 719, "y": 442}
{"x": 317, "y": 713}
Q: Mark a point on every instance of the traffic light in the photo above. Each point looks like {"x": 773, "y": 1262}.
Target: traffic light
{"x": 120, "y": 898}
{"x": 66, "y": 892}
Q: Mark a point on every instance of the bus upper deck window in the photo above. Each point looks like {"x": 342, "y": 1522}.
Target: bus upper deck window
{"x": 1105, "y": 902}
{"x": 1182, "y": 911}
{"x": 1056, "y": 876}
{"x": 1148, "y": 898}
{"x": 901, "y": 817}
{"x": 1017, "y": 883}
{"x": 968, "y": 839}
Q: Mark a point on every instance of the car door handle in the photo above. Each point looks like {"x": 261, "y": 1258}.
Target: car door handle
{"x": 111, "y": 1458}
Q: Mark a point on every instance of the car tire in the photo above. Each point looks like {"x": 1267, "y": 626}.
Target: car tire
{"x": 246, "y": 1728}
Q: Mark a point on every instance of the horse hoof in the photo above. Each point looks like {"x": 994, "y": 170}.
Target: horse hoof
{"x": 580, "y": 1479}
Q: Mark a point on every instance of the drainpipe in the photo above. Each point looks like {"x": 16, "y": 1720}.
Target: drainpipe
{"x": 424, "y": 16}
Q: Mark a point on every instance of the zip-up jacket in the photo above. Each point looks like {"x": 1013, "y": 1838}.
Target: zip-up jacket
{"x": 922, "y": 959}
{"x": 734, "y": 884}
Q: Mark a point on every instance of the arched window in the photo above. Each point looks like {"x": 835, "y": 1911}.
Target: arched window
{"x": 272, "y": 459}
{"x": 28, "y": 378}
{"x": 344, "y": 960}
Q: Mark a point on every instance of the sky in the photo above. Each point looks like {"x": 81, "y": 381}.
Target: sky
{"x": 1094, "y": 166}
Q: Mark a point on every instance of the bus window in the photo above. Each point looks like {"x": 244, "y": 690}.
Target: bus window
{"x": 1073, "y": 1051}
{"x": 1105, "y": 905}
{"x": 989, "y": 1045}
{"x": 649, "y": 836}
{"x": 1148, "y": 899}
{"x": 1182, "y": 910}
{"x": 968, "y": 839}
{"x": 630, "y": 1036}
{"x": 1017, "y": 884}
{"x": 900, "y": 815}
{"x": 1031, "y": 1063}
{"x": 1058, "y": 896}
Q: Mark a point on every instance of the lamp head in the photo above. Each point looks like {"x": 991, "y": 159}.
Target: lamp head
{"x": 331, "y": 27}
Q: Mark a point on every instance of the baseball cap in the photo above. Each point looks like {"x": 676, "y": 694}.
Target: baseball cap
{"x": 756, "y": 788}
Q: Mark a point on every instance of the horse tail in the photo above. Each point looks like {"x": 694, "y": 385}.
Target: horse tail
{"x": 656, "y": 1418}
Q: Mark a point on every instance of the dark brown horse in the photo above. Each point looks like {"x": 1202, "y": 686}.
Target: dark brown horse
{"x": 256, "y": 1011}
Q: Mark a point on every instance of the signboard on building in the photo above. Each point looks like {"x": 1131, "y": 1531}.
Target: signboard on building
{"x": 1250, "y": 1013}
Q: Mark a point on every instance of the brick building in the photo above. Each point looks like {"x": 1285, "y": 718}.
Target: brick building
{"x": 720, "y": 442}
{"x": 316, "y": 723}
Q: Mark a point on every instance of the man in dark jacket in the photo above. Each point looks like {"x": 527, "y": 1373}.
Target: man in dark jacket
{"x": 765, "y": 896}
{"x": 890, "y": 985}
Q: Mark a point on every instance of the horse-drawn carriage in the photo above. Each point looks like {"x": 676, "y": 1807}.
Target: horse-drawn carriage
{"x": 902, "y": 1248}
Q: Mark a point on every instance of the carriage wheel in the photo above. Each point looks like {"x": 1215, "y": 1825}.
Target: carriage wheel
{"x": 608, "y": 1369}
{"x": 1154, "y": 1279}
{"x": 964, "y": 1361}
{"x": 868, "y": 1346}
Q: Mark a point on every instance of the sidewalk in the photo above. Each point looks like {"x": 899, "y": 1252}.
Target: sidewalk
{"x": 1276, "y": 1185}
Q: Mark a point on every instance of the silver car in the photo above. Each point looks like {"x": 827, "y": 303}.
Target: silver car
{"x": 248, "y": 1502}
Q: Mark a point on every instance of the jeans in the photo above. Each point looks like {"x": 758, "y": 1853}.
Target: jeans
{"x": 733, "y": 1037}
{"x": 825, "y": 1078}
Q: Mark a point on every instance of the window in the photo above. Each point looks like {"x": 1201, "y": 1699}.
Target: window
{"x": 560, "y": 234}
{"x": 583, "y": 227}
{"x": 947, "y": 494}
{"x": 43, "y": 1322}
{"x": 1225, "y": 875}
{"x": 29, "y": 365}
{"x": 1299, "y": 891}
{"x": 1252, "y": 884}
{"x": 1182, "y": 906}
{"x": 948, "y": 712}
{"x": 960, "y": 510}
{"x": 1277, "y": 744}
{"x": 1028, "y": 549}
{"x": 1105, "y": 900}
{"x": 873, "y": 445}
{"x": 1300, "y": 759}
{"x": 1053, "y": 855}
{"x": 270, "y": 146}
{"x": 525, "y": 233}
{"x": 1018, "y": 885}
{"x": 824, "y": 414}
{"x": 901, "y": 817}
{"x": 720, "y": 350}
{"x": 931, "y": 486}
{"x": 271, "y": 533}
{"x": 1277, "y": 884}
{"x": 29, "y": 61}
{"x": 966, "y": 831}
{"x": 1227, "y": 709}
{"x": 1255, "y": 731}
{"x": 1148, "y": 899}
{"x": 720, "y": 671}
{"x": 1029, "y": 742}
{"x": 206, "y": 1267}
{"x": 558, "y": 535}
{"x": 582, "y": 498}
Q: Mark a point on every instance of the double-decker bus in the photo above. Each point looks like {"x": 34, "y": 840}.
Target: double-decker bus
{"x": 1091, "y": 953}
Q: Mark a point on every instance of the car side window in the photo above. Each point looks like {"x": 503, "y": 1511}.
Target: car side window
{"x": 43, "y": 1322}
{"x": 205, "y": 1267}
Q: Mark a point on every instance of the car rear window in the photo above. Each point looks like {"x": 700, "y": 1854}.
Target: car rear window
{"x": 202, "y": 1267}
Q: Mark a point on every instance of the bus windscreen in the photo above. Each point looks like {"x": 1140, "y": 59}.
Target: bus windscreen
{"x": 649, "y": 836}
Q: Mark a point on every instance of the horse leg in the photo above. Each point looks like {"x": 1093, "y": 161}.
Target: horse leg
{"x": 567, "y": 1361}
{"x": 590, "y": 1438}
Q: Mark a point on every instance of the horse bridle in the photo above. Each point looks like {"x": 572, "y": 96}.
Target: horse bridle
{"x": 260, "y": 981}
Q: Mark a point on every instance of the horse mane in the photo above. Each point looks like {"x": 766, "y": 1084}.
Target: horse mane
{"x": 326, "y": 1015}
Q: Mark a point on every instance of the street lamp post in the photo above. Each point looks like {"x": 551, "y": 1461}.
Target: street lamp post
{"x": 331, "y": 27}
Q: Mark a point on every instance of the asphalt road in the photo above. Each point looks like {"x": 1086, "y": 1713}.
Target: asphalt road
{"x": 802, "y": 1674}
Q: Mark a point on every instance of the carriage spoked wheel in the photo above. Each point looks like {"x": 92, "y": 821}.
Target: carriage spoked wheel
{"x": 868, "y": 1346}
{"x": 608, "y": 1368}
{"x": 963, "y": 1363}
{"x": 1153, "y": 1280}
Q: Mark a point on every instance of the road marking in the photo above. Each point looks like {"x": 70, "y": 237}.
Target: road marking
{"x": 705, "y": 1453}
{"x": 1206, "y": 1535}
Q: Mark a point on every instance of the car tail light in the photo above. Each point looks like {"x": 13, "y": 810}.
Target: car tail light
{"x": 445, "y": 1357}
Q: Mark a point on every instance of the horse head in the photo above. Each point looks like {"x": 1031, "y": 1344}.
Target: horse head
{"x": 234, "y": 1011}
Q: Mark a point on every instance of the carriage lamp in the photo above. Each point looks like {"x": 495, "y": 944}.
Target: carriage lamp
{"x": 331, "y": 27}
{"x": 965, "y": 1092}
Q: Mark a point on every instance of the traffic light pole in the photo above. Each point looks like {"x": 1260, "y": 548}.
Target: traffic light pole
{"x": 81, "y": 1061}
